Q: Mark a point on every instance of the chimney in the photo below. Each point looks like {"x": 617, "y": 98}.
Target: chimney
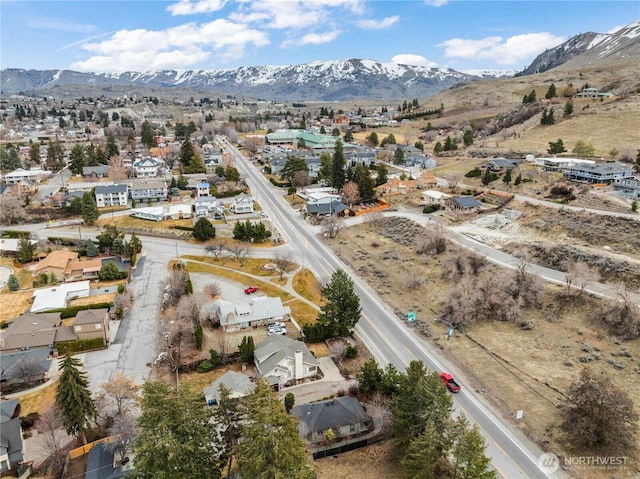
{"x": 297, "y": 366}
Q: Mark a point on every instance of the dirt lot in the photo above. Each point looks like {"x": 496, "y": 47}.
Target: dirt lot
{"x": 529, "y": 369}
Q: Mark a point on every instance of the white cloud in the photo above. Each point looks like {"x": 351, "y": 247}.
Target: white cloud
{"x": 411, "y": 59}
{"x": 504, "y": 52}
{"x": 312, "y": 39}
{"x": 176, "y": 47}
{"x": 378, "y": 24}
{"x": 187, "y": 7}
{"x": 436, "y": 3}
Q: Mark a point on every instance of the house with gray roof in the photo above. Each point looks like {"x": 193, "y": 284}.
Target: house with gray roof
{"x": 111, "y": 195}
{"x": 260, "y": 311}
{"x": 102, "y": 463}
{"x": 11, "y": 442}
{"x": 100, "y": 171}
{"x": 462, "y": 204}
{"x": 599, "y": 173}
{"x": 282, "y": 360}
{"x": 92, "y": 323}
{"x": 239, "y": 386}
{"x": 22, "y": 369}
{"x": 34, "y": 331}
{"x": 344, "y": 415}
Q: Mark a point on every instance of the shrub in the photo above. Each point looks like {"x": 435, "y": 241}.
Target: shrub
{"x": 121, "y": 288}
{"x": 183, "y": 228}
{"x": 13, "y": 283}
{"x": 350, "y": 352}
{"x": 315, "y": 333}
{"x": 291, "y": 191}
{"x": 283, "y": 184}
{"x": 71, "y": 311}
{"x": 72, "y": 347}
{"x": 430, "y": 208}
{"x": 475, "y": 173}
{"x": 29, "y": 420}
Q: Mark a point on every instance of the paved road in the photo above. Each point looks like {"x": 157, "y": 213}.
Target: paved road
{"x": 513, "y": 456}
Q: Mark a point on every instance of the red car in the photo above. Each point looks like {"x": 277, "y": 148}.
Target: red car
{"x": 250, "y": 289}
{"x": 451, "y": 384}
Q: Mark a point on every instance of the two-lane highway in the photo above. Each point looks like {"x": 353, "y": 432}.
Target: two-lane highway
{"x": 389, "y": 340}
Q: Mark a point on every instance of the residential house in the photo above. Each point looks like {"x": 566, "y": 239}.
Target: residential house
{"x": 434, "y": 197}
{"x": 397, "y": 186}
{"x": 104, "y": 463}
{"x": 262, "y": 310}
{"x": 57, "y": 297}
{"x": 361, "y": 156}
{"x": 629, "y": 187}
{"x": 147, "y": 167}
{"x": 282, "y": 360}
{"x": 208, "y": 206}
{"x": 69, "y": 197}
{"x": 148, "y": 190}
{"x": 462, "y": 204}
{"x": 559, "y": 164}
{"x": 64, "y": 265}
{"x": 326, "y": 209}
{"x": 344, "y": 415}
{"x": 501, "y": 164}
{"x": 9, "y": 246}
{"x": 25, "y": 188}
{"x": 593, "y": 93}
{"x": 54, "y": 264}
{"x": 239, "y": 386}
{"x": 20, "y": 174}
{"x": 111, "y": 195}
{"x": 203, "y": 190}
{"x": 100, "y": 171}
{"x": 601, "y": 173}
{"x": 23, "y": 369}
{"x": 160, "y": 213}
{"x": 242, "y": 204}
{"x": 92, "y": 323}
{"x": 34, "y": 331}
{"x": 11, "y": 438}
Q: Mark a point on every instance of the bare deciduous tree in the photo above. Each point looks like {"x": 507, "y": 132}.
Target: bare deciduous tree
{"x": 190, "y": 309}
{"x": 622, "y": 317}
{"x": 117, "y": 168}
{"x": 284, "y": 264}
{"x": 331, "y": 226}
{"x": 453, "y": 180}
{"x": 217, "y": 250}
{"x": 11, "y": 210}
{"x": 376, "y": 219}
{"x": 175, "y": 286}
{"x": 52, "y": 437}
{"x": 122, "y": 432}
{"x": 525, "y": 287}
{"x": 433, "y": 241}
{"x": 117, "y": 397}
{"x": 578, "y": 274}
{"x": 213, "y": 289}
{"x": 351, "y": 193}
{"x": 378, "y": 410}
{"x": 300, "y": 178}
{"x": 253, "y": 144}
{"x": 240, "y": 252}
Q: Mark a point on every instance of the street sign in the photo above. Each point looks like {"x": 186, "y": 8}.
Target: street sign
{"x": 411, "y": 316}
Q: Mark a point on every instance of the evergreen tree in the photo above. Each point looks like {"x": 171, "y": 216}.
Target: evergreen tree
{"x": 467, "y": 138}
{"x": 348, "y": 136}
{"x": 90, "y": 212}
{"x": 77, "y": 160}
{"x": 383, "y": 171}
{"x": 231, "y": 173}
{"x": 136, "y": 244}
{"x": 338, "y": 164}
{"x": 203, "y": 230}
{"x": 551, "y": 92}
{"x": 196, "y": 165}
{"x": 365, "y": 183}
{"x": 468, "y": 458}
{"x": 518, "y": 179}
{"x": 486, "y": 177}
{"x": 176, "y": 437}
{"x": 568, "y": 108}
{"x": 112, "y": 147}
{"x": 12, "y": 283}
{"x": 289, "y": 401}
{"x": 182, "y": 182}
{"x": 73, "y": 398}
{"x": 9, "y": 158}
{"x": 556, "y": 147}
{"x": 438, "y": 148}
{"x": 26, "y": 250}
{"x": 34, "y": 154}
{"x": 419, "y": 145}
{"x": 369, "y": 377}
{"x": 423, "y": 459}
{"x": 342, "y": 311}
{"x": 271, "y": 446}
{"x": 398, "y": 156}
{"x": 292, "y": 166}
{"x": 388, "y": 140}
{"x": 246, "y": 349}
{"x": 147, "y": 135}
{"x": 450, "y": 144}
{"x": 421, "y": 400}
{"x": 325, "y": 172}
{"x": 91, "y": 249}
{"x": 373, "y": 138}
{"x": 507, "y": 177}
{"x": 227, "y": 419}
{"x": 187, "y": 152}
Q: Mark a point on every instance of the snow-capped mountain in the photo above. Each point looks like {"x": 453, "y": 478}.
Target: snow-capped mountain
{"x": 589, "y": 47}
{"x": 490, "y": 74}
{"x": 319, "y": 80}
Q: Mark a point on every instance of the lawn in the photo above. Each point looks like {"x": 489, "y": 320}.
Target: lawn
{"x": 252, "y": 266}
{"x": 307, "y": 286}
{"x": 14, "y": 304}
{"x": 131, "y": 222}
{"x": 98, "y": 298}
{"x": 21, "y": 272}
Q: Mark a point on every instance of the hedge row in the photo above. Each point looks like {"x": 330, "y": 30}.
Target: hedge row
{"x": 183, "y": 228}
{"x": 13, "y": 234}
{"x": 79, "y": 345}
{"x": 71, "y": 311}
{"x": 280, "y": 184}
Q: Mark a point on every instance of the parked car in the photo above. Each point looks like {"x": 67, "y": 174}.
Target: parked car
{"x": 276, "y": 328}
{"x": 448, "y": 380}
{"x": 251, "y": 289}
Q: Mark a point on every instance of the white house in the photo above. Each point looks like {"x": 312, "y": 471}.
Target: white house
{"x": 58, "y": 296}
{"x": 238, "y": 385}
{"x": 20, "y": 174}
{"x": 159, "y": 213}
{"x": 322, "y": 198}
{"x": 147, "y": 167}
{"x": 242, "y": 204}
{"x": 111, "y": 195}
{"x": 148, "y": 190}
{"x": 432, "y": 197}
{"x": 282, "y": 360}
{"x": 203, "y": 189}
{"x": 208, "y": 206}
{"x": 260, "y": 311}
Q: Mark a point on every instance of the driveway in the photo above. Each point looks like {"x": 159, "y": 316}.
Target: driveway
{"x": 330, "y": 384}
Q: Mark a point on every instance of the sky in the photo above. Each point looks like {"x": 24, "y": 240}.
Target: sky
{"x": 146, "y": 35}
